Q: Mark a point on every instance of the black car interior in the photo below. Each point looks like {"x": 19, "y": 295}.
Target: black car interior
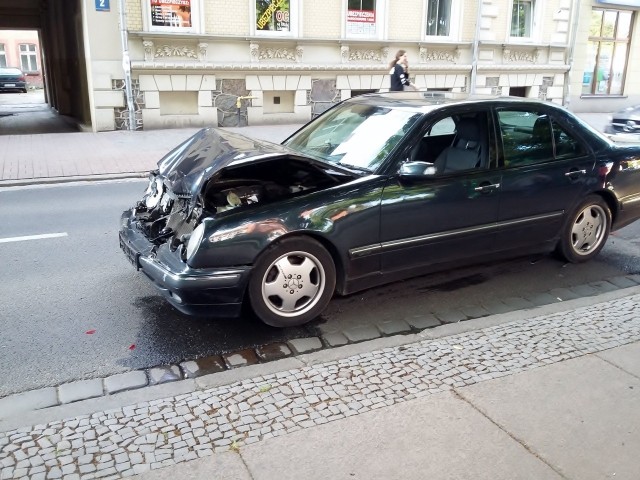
{"x": 465, "y": 151}
{"x": 466, "y": 148}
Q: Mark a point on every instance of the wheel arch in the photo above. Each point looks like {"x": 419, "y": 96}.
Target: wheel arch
{"x": 611, "y": 201}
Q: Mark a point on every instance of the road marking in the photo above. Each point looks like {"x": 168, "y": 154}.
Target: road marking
{"x": 33, "y": 237}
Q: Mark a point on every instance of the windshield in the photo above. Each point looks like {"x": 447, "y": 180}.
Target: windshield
{"x": 354, "y": 135}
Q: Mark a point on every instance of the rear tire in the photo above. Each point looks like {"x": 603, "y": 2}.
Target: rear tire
{"x": 292, "y": 282}
{"x": 586, "y": 230}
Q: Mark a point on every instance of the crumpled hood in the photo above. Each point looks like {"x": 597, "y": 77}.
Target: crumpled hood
{"x": 188, "y": 166}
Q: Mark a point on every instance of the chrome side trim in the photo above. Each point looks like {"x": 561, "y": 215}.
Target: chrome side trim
{"x": 379, "y": 247}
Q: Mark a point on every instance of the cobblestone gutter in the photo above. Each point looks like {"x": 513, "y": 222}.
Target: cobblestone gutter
{"x": 326, "y": 338}
{"x": 133, "y": 439}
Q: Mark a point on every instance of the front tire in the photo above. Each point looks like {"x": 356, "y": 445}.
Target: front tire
{"x": 586, "y": 231}
{"x": 292, "y": 282}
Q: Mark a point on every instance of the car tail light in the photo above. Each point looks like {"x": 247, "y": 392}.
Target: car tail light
{"x": 21, "y": 78}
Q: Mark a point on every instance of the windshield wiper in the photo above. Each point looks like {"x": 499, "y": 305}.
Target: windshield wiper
{"x": 355, "y": 167}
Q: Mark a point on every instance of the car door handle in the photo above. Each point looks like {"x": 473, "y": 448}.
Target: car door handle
{"x": 487, "y": 187}
{"x": 573, "y": 172}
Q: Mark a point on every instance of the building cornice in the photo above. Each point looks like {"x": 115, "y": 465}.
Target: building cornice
{"x": 288, "y": 67}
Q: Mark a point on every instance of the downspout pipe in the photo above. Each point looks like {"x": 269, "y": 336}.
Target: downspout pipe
{"x": 474, "y": 53}
{"x": 575, "y": 12}
{"x": 126, "y": 66}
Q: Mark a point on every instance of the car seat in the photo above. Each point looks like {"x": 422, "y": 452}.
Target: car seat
{"x": 465, "y": 151}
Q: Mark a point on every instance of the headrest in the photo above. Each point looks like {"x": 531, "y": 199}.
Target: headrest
{"x": 467, "y": 129}
{"x": 542, "y": 127}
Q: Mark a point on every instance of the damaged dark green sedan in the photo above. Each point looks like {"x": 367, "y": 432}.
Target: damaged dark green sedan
{"x": 379, "y": 188}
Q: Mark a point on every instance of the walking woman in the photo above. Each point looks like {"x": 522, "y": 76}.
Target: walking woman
{"x": 399, "y": 71}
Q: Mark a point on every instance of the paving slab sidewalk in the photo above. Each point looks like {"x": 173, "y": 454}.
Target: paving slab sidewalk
{"x": 56, "y": 157}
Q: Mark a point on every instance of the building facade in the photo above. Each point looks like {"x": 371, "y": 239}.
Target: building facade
{"x": 192, "y": 62}
{"x": 21, "y": 49}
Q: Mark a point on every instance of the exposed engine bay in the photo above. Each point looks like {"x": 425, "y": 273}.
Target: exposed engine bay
{"x": 166, "y": 216}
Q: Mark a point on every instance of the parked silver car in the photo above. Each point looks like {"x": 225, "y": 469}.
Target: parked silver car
{"x": 625, "y": 125}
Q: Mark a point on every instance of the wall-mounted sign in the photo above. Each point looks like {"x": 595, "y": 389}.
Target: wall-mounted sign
{"x": 102, "y": 6}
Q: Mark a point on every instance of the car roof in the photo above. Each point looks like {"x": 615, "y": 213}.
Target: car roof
{"x": 428, "y": 101}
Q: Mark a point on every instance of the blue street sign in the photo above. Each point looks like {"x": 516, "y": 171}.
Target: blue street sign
{"x": 102, "y": 5}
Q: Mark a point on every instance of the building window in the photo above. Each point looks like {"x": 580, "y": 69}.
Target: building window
{"x": 28, "y": 57}
{"x": 607, "y": 52}
{"x": 438, "y": 18}
{"x": 276, "y": 17}
{"x": 172, "y": 15}
{"x": 3, "y": 56}
{"x": 522, "y": 18}
{"x": 363, "y": 18}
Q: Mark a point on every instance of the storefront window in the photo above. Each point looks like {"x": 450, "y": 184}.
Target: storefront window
{"x": 276, "y": 17}
{"x": 607, "y": 52}
{"x": 363, "y": 18}
{"x": 3, "y": 56}
{"x": 172, "y": 15}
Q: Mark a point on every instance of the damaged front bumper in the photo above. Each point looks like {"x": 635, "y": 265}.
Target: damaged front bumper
{"x": 215, "y": 292}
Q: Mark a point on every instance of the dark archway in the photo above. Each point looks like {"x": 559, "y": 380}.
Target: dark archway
{"x": 60, "y": 27}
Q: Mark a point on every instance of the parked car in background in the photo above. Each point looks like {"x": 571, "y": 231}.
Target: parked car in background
{"x": 12, "y": 79}
{"x": 624, "y": 125}
{"x": 379, "y": 188}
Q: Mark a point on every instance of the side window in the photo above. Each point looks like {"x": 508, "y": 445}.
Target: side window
{"x": 566, "y": 145}
{"x": 446, "y": 126}
{"x": 438, "y": 136}
{"x": 526, "y": 137}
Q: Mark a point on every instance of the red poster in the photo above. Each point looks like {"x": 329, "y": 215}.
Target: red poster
{"x": 363, "y": 16}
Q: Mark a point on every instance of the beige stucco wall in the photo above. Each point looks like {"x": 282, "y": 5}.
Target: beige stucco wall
{"x": 224, "y": 17}
{"x": 134, "y": 15}
{"x": 322, "y": 19}
{"x": 104, "y": 49}
{"x": 405, "y": 19}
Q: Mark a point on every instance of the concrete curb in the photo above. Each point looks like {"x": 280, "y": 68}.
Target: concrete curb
{"x": 72, "y": 179}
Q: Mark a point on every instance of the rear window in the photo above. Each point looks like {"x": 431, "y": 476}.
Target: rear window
{"x": 10, "y": 71}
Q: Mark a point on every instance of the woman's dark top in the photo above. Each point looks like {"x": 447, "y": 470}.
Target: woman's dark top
{"x": 399, "y": 78}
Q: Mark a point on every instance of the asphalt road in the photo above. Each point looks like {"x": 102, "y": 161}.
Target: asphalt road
{"x": 57, "y": 288}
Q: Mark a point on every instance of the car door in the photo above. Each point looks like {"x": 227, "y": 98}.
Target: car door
{"x": 432, "y": 219}
{"x": 545, "y": 170}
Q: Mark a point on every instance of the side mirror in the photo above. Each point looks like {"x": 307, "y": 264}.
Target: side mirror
{"x": 417, "y": 169}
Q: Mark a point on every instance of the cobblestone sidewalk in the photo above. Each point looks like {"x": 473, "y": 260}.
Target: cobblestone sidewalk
{"x": 133, "y": 439}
